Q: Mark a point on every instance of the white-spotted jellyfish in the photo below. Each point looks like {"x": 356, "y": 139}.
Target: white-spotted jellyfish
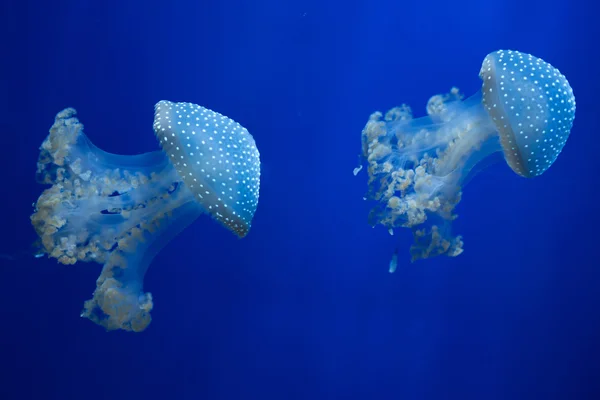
{"x": 418, "y": 167}
{"x": 120, "y": 211}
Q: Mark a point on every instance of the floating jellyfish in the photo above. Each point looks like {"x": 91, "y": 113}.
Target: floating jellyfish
{"x": 418, "y": 167}
{"x": 120, "y": 211}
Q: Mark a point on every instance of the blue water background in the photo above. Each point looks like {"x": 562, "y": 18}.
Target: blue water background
{"x": 304, "y": 308}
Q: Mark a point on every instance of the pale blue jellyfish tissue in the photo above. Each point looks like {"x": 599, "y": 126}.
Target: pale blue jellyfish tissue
{"x": 418, "y": 167}
{"x": 120, "y": 211}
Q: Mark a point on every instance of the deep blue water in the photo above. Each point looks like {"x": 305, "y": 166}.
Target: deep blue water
{"x": 304, "y": 307}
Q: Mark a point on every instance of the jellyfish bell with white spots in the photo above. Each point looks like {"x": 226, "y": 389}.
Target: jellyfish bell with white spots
{"x": 120, "y": 211}
{"x": 417, "y": 167}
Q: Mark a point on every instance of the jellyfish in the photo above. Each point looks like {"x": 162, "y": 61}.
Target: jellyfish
{"x": 417, "y": 167}
{"x": 120, "y": 211}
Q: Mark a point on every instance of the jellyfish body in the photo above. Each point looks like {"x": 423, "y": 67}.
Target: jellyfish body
{"x": 120, "y": 211}
{"x": 418, "y": 167}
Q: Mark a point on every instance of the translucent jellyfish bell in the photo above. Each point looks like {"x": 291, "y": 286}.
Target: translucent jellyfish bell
{"x": 120, "y": 211}
{"x": 418, "y": 167}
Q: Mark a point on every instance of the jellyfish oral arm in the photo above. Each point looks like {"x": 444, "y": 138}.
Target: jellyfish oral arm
{"x": 417, "y": 167}
{"x": 119, "y": 301}
{"x": 116, "y": 210}
{"x": 462, "y": 137}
